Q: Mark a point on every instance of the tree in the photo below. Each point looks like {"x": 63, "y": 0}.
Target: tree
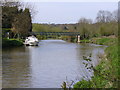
{"x": 85, "y": 21}
{"x": 13, "y": 16}
{"x": 115, "y": 15}
{"x": 104, "y": 16}
{"x": 28, "y": 19}
{"x": 10, "y": 3}
{"x": 84, "y": 28}
{"x": 22, "y": 25}
{"x": 9, "y": 10}
{"x": 8, "y": 14}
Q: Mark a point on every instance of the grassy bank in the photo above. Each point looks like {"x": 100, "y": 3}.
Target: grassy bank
{"x": 11, "y": 43}
{"x": 101, "y": 40}
{"x": 106, "y": 73}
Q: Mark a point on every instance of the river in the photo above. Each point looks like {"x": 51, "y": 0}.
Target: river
{"x": 47, "y": 65}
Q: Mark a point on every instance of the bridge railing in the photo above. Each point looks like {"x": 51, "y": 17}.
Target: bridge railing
{"x": 57, "y": 33}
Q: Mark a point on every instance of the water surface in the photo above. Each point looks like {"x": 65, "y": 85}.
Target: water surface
{"x": 47, "y": 65}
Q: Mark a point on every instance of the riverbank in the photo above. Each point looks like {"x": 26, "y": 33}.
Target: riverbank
{"x": 106, "y": 73}
{"x": 11, "y": 43}
{"x": 101, "y": 40}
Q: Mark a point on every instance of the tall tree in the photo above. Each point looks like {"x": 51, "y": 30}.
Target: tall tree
{"x": 28, "y": 19}
{"x": 14, "y": 17}
{"x": 22, "y": 23}
{"x": 8, "y": 14}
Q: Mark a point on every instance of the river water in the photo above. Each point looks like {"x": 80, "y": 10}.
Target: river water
{"x": 47, "y": 65}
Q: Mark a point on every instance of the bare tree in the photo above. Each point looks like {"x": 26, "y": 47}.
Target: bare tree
{"x": 105, "y": 16}
{"x": 31, "y": 8}
{"x": 84, "y": 20}
{"x": 108, "y": 16}
{"x": 100, "y": 16}
{"x": 10, "y": 3}
{"x": 115, "y": 15}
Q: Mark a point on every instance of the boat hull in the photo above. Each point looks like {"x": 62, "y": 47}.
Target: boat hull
{"x": 31, "y": 44}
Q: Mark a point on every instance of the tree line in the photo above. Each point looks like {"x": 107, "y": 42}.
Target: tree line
{"x": 106, "y": 24}
{"x": 15, "y": 20}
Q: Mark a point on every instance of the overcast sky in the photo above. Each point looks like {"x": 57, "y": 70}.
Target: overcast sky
{"x": 69, "y": 11}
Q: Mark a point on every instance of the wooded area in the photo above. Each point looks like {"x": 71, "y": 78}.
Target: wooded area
{"x": 15, "y": 20}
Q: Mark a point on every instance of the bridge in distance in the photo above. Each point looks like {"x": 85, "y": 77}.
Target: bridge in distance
{"x": 57, "y": 33}
{"x": 77, "y": 34}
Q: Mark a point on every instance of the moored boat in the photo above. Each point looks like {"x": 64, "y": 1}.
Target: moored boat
{"x": 31, "y": 41}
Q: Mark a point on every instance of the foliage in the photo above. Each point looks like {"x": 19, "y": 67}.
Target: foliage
{"x": 8, "y": 14}
{"x": 104, "y": 41}
{"x": 85, "y": 41}
{"x": 106, "y": 73}
{"x": 46, "y": 28}
{"x": 40, "y": 37}
{"x": 19, "y": 20}
{"x": 69, "y": 38}
{"x": 11, "y": 42}
{"x": 22, "y": 23}
{"x": 83, "y": 84}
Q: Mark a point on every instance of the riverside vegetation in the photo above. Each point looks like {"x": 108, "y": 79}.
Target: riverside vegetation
{"x": 11, "y": 42}
{"x": 106, "y": 74}
{"x": 16, "y": 23}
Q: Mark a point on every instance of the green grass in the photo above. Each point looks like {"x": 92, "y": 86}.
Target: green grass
{"x": 106, "y": 73}
{"x": 85, "y": 41}
{"x": 6, "y": 28}
{"x": 100, "y": 41}
{"x": 11, "y": 42}
{"x": 104, "y": 41}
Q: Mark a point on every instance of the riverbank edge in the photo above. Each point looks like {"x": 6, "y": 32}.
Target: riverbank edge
{"x": 11, "y": 43}
{"x": 106, "y": 73}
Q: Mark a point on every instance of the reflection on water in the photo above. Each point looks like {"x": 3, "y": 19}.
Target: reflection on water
{"x": 16, "y": 71}
{"x": 47, "y": 65}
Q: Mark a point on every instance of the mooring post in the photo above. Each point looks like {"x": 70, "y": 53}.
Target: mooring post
{"x": 8, "y": 34}
{"x": 78, "y": 38}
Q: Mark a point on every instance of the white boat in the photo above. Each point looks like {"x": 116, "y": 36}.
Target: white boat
{"x": 31, "y": 41}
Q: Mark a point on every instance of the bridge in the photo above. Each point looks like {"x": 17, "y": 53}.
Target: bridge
{"x": 57, "y": 33}
{"x": 77, "y": 34}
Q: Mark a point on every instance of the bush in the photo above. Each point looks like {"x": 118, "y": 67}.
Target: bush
{"x": 11, "y": 42}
